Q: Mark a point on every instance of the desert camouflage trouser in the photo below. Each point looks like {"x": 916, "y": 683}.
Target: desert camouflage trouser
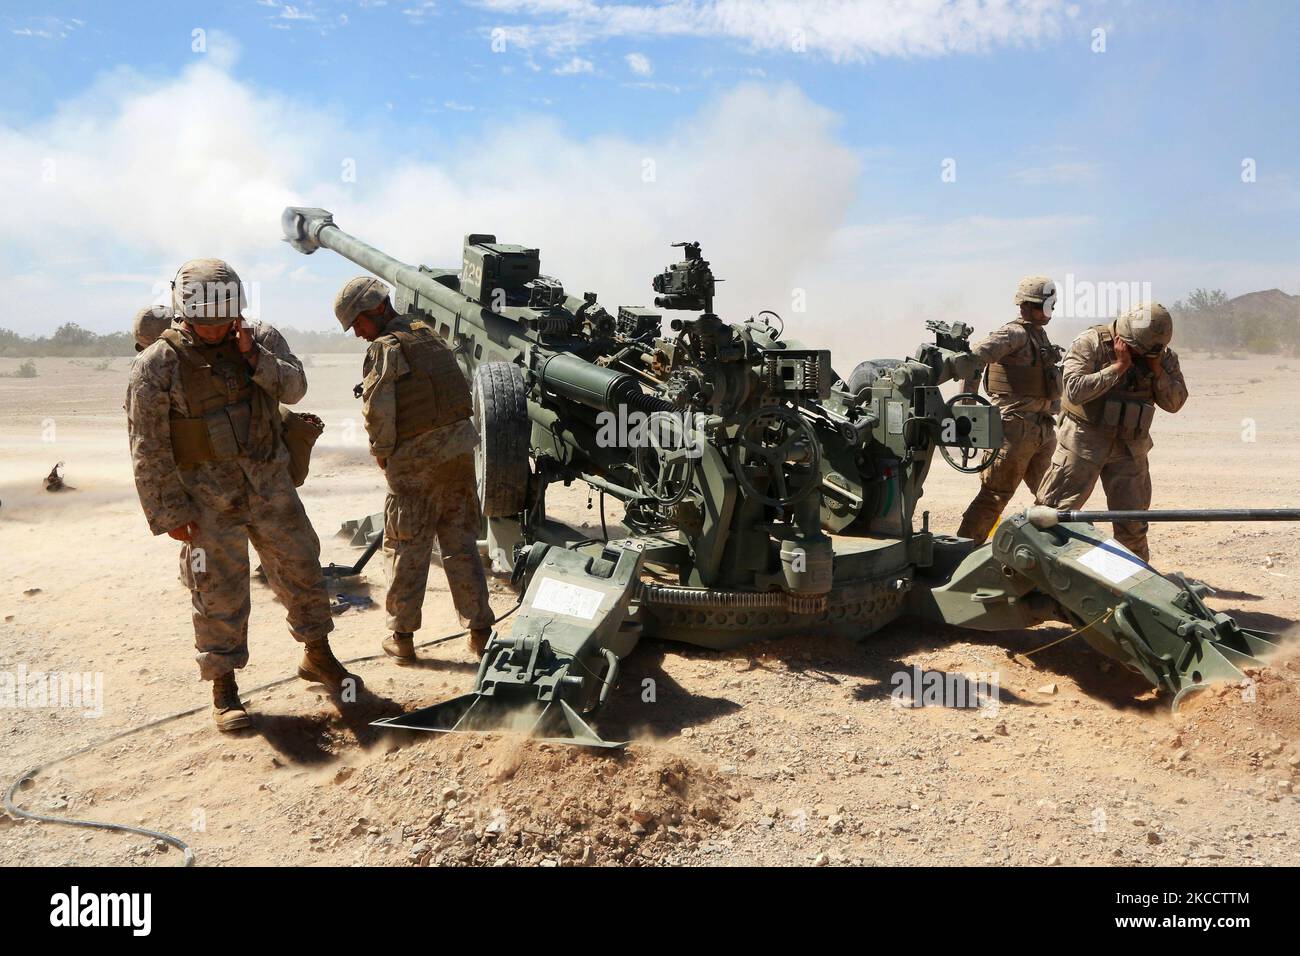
{"x": 214, "y": 566}
{"x": 430, "y": 500}
{"x": 1125, "y": 477}
{"x": 1026, "y": 452}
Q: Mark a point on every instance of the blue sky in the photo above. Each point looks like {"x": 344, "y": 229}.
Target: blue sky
{"x": 835, "y": 118}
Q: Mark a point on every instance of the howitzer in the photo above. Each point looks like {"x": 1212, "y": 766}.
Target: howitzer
{"x": 765, "y": 495}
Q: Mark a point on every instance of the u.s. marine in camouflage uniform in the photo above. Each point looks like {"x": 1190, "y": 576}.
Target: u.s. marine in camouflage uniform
{"x": 1023, "y": 380}
{"x": 149, "y": 323}
{"x": 1115, "y": 377}
{"x": 212, "y": 472}
{"x": 417, "y": 411}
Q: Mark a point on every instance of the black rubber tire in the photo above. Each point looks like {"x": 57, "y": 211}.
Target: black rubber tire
{"x": 501, "y": 459}
{"x": 867, "y": 372}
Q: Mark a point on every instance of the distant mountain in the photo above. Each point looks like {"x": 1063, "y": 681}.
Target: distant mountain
{"x": 1272, "y": 304}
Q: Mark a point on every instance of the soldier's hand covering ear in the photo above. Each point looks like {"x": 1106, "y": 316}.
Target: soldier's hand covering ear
{"x": 244, "y": 339}
{"x": 1123, "y": 354}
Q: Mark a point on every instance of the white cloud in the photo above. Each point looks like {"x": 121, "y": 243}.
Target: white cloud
{"x": 146, "y": 175}
{"x": 837, "y": 29}
{"x": 602, "y": 227}
{"x": 639, "y": 64}
{"x": 287, "y": 11}
{"x": 1056, "y": 174}
{"x": 133, "y": 178}
{"x": 290, "y": 12}
{"x": 574, "y": 66}
{"x": 143, "y": 175}
{"x": 48, "y": 28}
{"x": 222, "y": 50}
{"x": 418, "y": 12}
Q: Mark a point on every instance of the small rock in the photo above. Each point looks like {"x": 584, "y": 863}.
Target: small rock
{"x": 1047, "y": 689}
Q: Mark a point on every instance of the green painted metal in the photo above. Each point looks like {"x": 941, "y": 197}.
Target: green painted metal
{"x": 793, "y": 512}
{"x": 1154, "y": 624}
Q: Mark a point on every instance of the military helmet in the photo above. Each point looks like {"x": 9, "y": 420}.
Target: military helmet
{"x": 1147, "y": 328}
{"x": 207, "y": 292}
{"x": 1036, "y": 289}
{"x": 358, "y": 295}
{"x": 149, "y": 323}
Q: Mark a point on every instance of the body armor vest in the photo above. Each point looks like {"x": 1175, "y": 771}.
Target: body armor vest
{"x": 1041, "y": 378}
{"x": 434, "y": 392}
{"x": 1128, "y": 408}
{"x": 222, "y": 401}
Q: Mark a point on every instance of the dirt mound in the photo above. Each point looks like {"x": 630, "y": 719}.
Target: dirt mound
{"x": 509, "y": 800}
{"x": 1254, "y": 725}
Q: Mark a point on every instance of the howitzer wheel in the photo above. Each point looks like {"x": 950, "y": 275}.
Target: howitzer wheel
{"x": 778, "y": 446}
{"x": 666, "y": 460}
{"x": 501, "y": 459}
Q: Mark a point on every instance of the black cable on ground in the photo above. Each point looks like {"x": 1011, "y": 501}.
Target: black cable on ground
{"x": 177, "y": 842}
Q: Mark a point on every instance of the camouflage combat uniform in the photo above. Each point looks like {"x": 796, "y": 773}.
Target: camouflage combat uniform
{"x": 1023, "y": 381}
{"x": 416, "y": 406}
{"x": 226, "y": 471}
{"x": 1106, "y": 430}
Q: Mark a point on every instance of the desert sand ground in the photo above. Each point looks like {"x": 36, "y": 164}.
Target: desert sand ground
{"x": 779, "y": 753}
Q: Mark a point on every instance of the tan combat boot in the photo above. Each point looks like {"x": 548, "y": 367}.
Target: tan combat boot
{"x": 478, "y": 638}
{"x": 227, "y": 710}
{"x": 321, "y": 666}
{"x": 401, "y": 646}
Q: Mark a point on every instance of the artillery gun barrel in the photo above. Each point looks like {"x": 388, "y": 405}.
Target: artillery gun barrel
{"x": 1044, "y": 517}
{"x": 308, "y": 229}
